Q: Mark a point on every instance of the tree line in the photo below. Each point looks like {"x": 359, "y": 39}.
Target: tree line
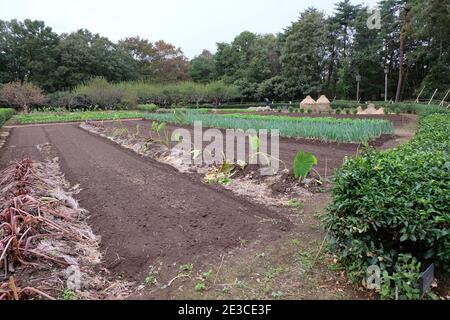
{"x": 317, "y": 54}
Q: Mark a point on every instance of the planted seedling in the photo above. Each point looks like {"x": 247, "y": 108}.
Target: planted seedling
{"x": 69, "y": 295}
{"x": 150, "y": 279}
{"x": 138, "y": 131}
{"x": 221, "y": 174}
{"x": 207, "y": 274}
{"x": 303, "y": 164}
{"x": 200, "y": 287}
{"x": 294, "y": 203}
{"x": 186, "y": 269}
{"x": 160, "y": 129}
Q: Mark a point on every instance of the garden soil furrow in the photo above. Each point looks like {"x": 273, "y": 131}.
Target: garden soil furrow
{"x": 143, "y": 210}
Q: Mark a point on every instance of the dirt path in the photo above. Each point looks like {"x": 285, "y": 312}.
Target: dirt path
{"x": 143, "y": 210}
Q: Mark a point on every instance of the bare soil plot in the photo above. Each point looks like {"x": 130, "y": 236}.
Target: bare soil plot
{"x": 144, "y": 210}
{"x": 153, "y": 219}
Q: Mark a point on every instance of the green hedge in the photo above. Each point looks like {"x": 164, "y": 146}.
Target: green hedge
{"x": 5, "y": 114}
{"x": 147, "y": 107}
{"x": 392, "y": 209}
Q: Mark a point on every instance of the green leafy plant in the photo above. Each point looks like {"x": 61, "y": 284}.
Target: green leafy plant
{"x": 5, "y": 114}
{"x": 403, "y": 282}
{"x": 207, "y": 274}
{"x": 303, "y": 164}
{"x": 391, "y": 209}
{"x": 200, "y": 287}
{"x": 294, "y": 203}
{"x": 150, "y": 279}
{"x": 220, "y": 174}
{"x": 69, "y": 295}
{"x": 161, "y": 130}
{"x": 186, "y": 269}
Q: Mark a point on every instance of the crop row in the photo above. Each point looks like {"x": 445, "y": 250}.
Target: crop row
{"x": 329, "y": 129}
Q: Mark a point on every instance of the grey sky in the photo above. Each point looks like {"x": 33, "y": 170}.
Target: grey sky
{"x": 191, "y": 24}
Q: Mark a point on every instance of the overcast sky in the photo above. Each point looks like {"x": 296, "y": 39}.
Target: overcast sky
{"x": 193, "y": 25}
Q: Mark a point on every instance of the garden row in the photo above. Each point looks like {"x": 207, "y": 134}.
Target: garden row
{"x": 392, "y": 209}
{"x": 330, "y": 129}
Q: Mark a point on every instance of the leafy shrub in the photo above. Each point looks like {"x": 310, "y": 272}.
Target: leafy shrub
{"x": 22, "y": 96}
{"x": 291, "y": 109}
{"x": 184, "y": 93}
{"x": 5, "y": 114}
{"x": 338, "y": 111}
{"x": 100, "y": 93}
{"x": 344, "y": 104}
{"x": 302, "y": 110}
{"x": 60, "y": 99}
{"x": 395, "y": 204}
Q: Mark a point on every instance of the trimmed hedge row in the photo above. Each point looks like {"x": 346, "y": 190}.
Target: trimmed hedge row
{"x": 5, "y": 114}
{"x": 392, "y": 209}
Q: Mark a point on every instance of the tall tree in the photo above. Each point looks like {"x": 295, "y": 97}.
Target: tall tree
{"x": 27, "y": 52}
{"x": 404, "y": 30}
{"x": 143, "y": 53}
{"x": 202, "y": 68}
{"x": 83, "y": 55}
{"x": 304, "y": 53}
{"x": 170, "y": 63}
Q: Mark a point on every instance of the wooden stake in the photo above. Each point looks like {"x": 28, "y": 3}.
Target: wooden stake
{"x": 433, "y": 96}
{"x": 443, "y": 100}
{"x": 418, "y": 97}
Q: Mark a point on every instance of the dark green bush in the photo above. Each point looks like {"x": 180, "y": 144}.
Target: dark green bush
{"x": 344, "y": 104}
{"x": 394, "y": 204}
{"x": 5, "y": 114}
{"x": 148, "y": 107}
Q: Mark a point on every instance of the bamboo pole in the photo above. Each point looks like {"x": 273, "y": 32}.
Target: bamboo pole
{"x": 418, "y": 97}
{"x": 434, "y": 94}
{"x": 443, "y": 100}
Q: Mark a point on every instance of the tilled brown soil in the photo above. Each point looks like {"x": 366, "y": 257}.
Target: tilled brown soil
{"x": 143, "y": 210}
